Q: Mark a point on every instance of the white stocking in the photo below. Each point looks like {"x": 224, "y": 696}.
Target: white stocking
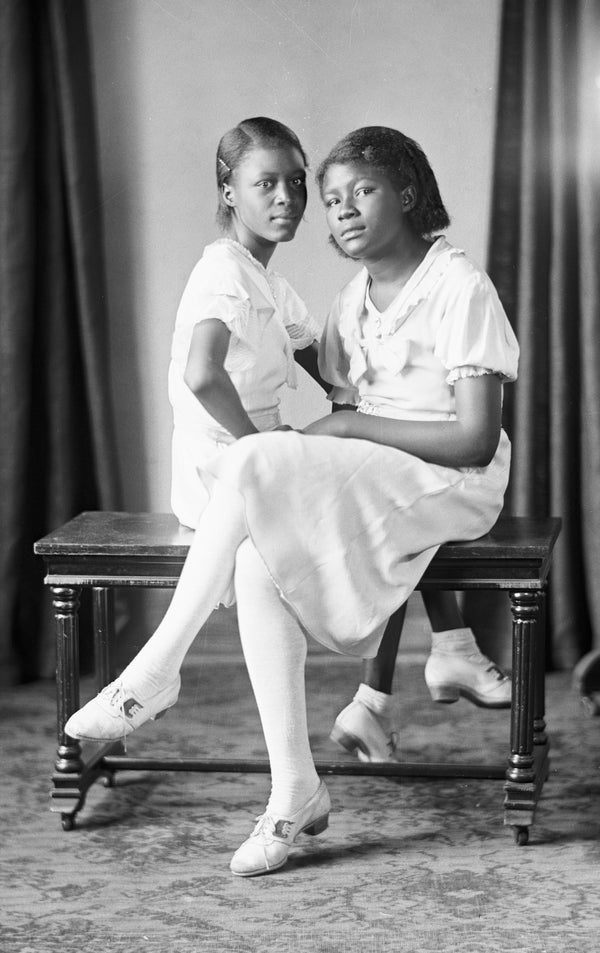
{"x": 206, "y": 574}
{"x": 275, "y": 652}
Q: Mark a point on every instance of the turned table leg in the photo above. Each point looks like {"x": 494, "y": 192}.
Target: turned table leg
{"x": 521, "y": 788}
{"x": 525, "y": 612}
{"x": 103, "y": 618}
{"x": 539, "y": 711}
{"x": 65, "y": 601}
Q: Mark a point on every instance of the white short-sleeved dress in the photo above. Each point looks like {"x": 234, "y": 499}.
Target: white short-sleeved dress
{"x": 347, "y": 527}
{"x": 268, "y": 322}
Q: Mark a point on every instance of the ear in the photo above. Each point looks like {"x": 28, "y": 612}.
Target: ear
{"x": 409, "y": 198}
{"x": 228, "y": 193}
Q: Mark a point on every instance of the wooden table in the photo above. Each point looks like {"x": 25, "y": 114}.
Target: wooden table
{"x": 104, "y": 550}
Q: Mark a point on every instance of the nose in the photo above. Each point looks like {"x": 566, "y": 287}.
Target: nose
{"x": 345, "y": 209}
{"x": 283, "y": 195}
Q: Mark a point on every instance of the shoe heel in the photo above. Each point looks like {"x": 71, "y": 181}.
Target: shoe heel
{"x": 342, "y": 738}
{"x": 159, "y": 714}
{"x": 318, "y": 826}
{"x": 444, "y": 694}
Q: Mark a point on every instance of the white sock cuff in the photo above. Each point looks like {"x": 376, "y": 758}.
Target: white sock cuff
{"x": 379, "y": 703}
{"x": 452, "y": 639}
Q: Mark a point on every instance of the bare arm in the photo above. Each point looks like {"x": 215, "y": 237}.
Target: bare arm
{"x": 468, "y": 441}
{"x": 209, "y": 382}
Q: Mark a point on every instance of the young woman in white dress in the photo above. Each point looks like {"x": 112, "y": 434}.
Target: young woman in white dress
{"x": 239, "y": 324}
{"x": 327, "y": 532}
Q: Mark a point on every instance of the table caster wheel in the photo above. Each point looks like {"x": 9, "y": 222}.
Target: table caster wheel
{"x": 521, "y": 836}
{"x": 108, "y": 780}
{"x": 67, "y": 821}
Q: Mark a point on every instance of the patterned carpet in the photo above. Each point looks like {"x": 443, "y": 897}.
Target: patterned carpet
{"x": 406, "y": 865}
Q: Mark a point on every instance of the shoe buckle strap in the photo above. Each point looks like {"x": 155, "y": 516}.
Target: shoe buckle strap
{"x": 270, "y": 829}
{"x": 500, "y": 675}
{"x": 283, "y": 829}
{"x": 116, "y": 697}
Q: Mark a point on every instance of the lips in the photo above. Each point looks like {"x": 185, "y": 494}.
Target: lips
{"x": 352, "y": 232}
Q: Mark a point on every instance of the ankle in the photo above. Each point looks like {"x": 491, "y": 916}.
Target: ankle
{"x": 146, "y": 679}
{"x": 459, "y": 642}
{"x": 380, "y": 703}
{"x": 284, "y": 801}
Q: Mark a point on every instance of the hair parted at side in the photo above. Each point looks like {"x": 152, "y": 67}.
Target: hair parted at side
{"x": 249, "y": 134}
{"x": 403, "y": 161}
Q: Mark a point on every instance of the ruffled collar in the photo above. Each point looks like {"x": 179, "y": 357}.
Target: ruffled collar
{"x": 233, "y": 243}
{"x": 419, "y": 286}
{"x": 274, "y": 280}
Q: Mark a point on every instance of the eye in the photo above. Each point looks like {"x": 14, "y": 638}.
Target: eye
{"x": 265, "y": 184}
{"x": 299, "y": 181}
{"x": 365, "y": 190}
{"x": 329, "y": 203}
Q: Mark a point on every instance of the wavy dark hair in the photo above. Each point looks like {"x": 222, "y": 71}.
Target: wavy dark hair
{"x": 403, "y": 162}
{"x": 249, "y": 134}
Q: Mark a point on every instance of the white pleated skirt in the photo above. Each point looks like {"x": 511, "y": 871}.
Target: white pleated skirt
{"x": 346, "y": 527}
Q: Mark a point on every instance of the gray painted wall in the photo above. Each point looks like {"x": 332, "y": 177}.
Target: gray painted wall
{"x": 172, "y": 76}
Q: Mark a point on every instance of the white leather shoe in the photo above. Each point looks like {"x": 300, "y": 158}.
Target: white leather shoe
{"x": 268, "y": 846}
{"x": 118, "y": 710}
{"x": 357, "y": 728}
{"x": 450, "y": 677}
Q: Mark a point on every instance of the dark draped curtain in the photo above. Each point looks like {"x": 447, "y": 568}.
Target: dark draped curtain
{"x": 57, "y": 446}
{"x": 544, "y": 258}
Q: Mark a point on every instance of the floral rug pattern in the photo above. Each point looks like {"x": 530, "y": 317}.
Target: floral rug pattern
{"x": 405, "y": 865}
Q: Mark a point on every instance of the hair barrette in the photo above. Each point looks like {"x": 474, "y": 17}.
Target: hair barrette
{"x": 224, "y": 165}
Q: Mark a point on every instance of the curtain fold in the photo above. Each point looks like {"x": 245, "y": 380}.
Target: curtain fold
{"x": 543, "y": 258}
{"x": 57, "y": 445}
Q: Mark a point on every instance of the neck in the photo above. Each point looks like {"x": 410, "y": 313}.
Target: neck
{"x": 259, "y": 248}
{"x": 397, "y": 267}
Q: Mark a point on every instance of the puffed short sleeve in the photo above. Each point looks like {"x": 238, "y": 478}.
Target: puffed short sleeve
{"x": 474, "y": 335}
{"x": 301, "y": 328}
{"x": 215, "y": 291}
{"x": 216, "y": 294}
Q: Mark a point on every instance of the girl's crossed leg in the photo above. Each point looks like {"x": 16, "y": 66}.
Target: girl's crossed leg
{"x": 150, "y": 683}
{"x": 275, "y": 652}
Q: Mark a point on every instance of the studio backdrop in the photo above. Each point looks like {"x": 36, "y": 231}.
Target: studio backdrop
{"x": 56, "y": 430}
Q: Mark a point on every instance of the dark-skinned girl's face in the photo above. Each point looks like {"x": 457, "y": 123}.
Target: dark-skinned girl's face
{"x": 267, "y": 196}
{"x": 366, "y": 213}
